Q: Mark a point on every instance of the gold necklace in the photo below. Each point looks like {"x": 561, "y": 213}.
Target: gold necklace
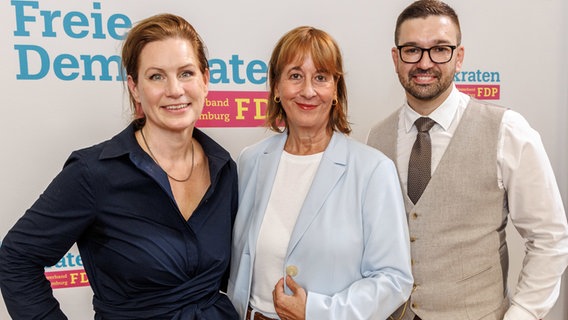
{"x": 156, "y": 160}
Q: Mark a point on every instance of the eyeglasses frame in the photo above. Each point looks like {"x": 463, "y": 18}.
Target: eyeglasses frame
{"x": 400, "y": 47}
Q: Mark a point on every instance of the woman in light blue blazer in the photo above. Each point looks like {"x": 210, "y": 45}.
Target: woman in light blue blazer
{"x": 321, "y": 230}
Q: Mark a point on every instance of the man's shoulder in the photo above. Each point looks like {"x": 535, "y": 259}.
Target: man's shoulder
{"x": 387, "y": 123}
{"x": 383, "y": 129}
{"x": 486, "y": 106}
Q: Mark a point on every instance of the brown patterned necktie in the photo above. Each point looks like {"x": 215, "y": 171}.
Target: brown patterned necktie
{"x": 420, "y": 163}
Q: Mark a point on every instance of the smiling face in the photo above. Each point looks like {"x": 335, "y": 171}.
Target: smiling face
{"x": 171, "y": 89}
{"x": 427, "y": 84}
{"x": 306, "y": 95}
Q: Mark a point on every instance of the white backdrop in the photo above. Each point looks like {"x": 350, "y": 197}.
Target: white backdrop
{"x": 46, "y": 118}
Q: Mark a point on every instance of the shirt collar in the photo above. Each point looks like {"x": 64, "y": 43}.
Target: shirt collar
{"x": 125, "y": 143}
{"x": 443, "y": 115}
{"x": 121, "y": 144}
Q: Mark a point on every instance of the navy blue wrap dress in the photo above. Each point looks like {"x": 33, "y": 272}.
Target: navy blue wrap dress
{"x": 142, "y": 258}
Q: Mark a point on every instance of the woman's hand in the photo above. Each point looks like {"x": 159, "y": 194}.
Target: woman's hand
{"x": 290, "y": 307}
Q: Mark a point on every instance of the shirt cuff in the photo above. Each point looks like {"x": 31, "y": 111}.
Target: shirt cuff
{"x": 518, "y": 313}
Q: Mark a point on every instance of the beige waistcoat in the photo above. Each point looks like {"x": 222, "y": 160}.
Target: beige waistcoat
{"x": 457, "y": 228}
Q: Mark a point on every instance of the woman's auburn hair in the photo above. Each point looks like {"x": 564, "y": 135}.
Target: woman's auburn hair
{"x": 294, "y": 46}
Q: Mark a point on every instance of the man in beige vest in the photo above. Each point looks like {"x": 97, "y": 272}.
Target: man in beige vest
{"x": 464, "y": 175}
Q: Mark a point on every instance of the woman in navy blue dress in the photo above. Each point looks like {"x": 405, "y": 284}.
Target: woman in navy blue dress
{"x": 151, "y": 209}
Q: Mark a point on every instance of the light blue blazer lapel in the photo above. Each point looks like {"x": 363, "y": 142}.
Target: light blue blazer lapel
{"x": 331, "y": 168}
{"x": 267, "y": 167}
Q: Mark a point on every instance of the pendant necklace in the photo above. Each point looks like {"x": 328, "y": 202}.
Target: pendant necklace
{"x": 156, "y": 160}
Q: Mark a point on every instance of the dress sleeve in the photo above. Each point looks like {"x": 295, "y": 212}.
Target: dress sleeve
{"x": 40, "y": 238}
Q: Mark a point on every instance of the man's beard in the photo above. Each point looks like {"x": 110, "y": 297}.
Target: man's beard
{"x": 425, "y": 92}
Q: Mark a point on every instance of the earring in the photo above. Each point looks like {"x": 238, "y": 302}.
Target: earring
{"x": 276, "y": 99}
{"x": 334, "y": 102}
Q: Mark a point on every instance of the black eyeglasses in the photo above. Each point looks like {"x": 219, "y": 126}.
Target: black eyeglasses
{"x": 438, "y": 54}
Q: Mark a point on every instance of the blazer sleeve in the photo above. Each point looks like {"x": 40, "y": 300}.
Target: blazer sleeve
{"x": 386, "y": 281}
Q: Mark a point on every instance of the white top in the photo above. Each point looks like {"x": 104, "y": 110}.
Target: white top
{"x": 535, "y": 206}
{"x": 291, "y": 185}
